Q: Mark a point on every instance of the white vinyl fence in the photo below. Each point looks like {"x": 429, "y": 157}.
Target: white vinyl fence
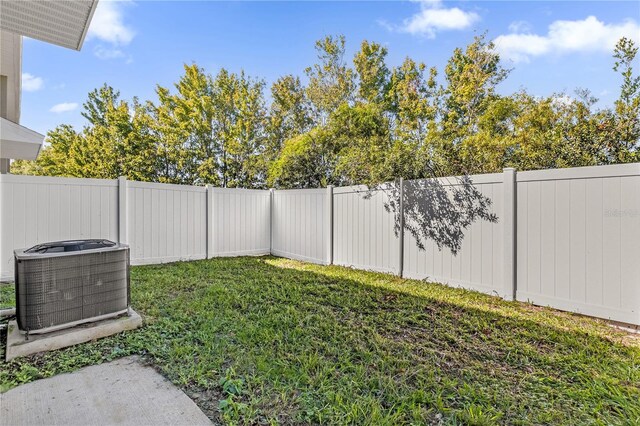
{"x": 565, "y": 238}
{"x": 40, "y": 209}
{"x": 479, "y": 264}
{"x": 165, "y": 223}
{"x": 301, "y": 224}
{"x": 160, "y": 222}
{"x": 240, "y": 222}
{"x": 363, "y": 229}
{"x": 578, "y": 237}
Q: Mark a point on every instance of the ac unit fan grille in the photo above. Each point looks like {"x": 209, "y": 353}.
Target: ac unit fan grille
{"x": 71, "y": 288}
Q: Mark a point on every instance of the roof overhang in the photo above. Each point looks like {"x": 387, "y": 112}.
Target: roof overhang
{"x": 64, "y": 23}
{"x": 19, "y": 142}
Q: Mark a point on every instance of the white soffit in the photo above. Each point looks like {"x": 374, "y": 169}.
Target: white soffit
{"x": 18, "y": 142}
{"x": 61, "y": 22}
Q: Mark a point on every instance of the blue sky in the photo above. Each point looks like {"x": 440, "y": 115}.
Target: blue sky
{"x": 134, "y": 45}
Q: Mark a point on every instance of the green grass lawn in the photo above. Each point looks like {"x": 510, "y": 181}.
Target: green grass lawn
{"x": 267, "y": 340}
{"x": 7, "y": 296}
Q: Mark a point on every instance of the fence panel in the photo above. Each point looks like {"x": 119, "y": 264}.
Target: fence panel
{"x": 301, "y": 224}
{"x": 240, "y": 222}
{"x": 166, "y": 223}
{"x": 478, "y": 265}
{"x": 578, "y": 233}
{"x": 36, "y": 209}
{"x": 363, "y": 229}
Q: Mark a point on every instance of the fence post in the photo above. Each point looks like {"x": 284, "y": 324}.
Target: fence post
{"x": 510, "y": 235}
{"x": 271, "y": 195}
{"x": 209, "y": 213}
{"x": 401, "y": 230}
{"x": 122, "y": 210}
{"x": 329, "y": 224}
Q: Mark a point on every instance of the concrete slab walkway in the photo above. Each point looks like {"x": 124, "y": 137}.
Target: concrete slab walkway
{"x": 121, "y": 392}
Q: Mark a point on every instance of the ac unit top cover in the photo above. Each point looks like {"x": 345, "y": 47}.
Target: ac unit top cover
{"x": 66, "y": 248}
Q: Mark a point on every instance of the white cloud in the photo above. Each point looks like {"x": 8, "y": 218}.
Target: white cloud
{"x": 31, "y": 83}
{"x": 520, "y": 27}
{"x": 587, "y": 35}
{"x": 434, "y": 17}
{"x": 519, "y": 47}
{"x": 108, "y": 24}
{"x": 387, "y": 26}
{"x": 107, "y": 53}
{"x": 64, "y": 107}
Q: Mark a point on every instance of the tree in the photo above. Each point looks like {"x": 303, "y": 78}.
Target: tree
{"x": 625, "y": 143}
{"x": 372, "y": 71}
{"x": 111, "y": 145}
{"x": 240, "y": 129}
{"x": 412, "y": 105}
{"x": 289, "y": 114}
{"x": 472, "y": 76}
{"x": 174, "y": 160}
{"x": 56, "y": 158}
{"x": 304, "y": 162}
{"x": 360, "y": 137}
{"x": 353, "y": 123}
{"x": 331, "y": 81}
{"x": 196, "y": 113}
{"x": 212, "y": 130}
{"x": 492, "y": 146}
{"x": 141, "y": 152}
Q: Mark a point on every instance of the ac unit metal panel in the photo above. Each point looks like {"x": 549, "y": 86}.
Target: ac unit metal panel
{"x": 61, "y": 288}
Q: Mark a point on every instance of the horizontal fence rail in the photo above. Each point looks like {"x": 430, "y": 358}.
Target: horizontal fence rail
{"x": 567, "y": 238}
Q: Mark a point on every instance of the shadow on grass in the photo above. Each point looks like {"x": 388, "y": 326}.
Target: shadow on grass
{"x": 265, "y": 339}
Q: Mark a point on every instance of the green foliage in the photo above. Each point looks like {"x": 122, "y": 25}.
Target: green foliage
{"x": 7, "y": 296}
{"x": 115, "y": 143}
{"x": 623, "y": 140}
{"x": 366, "y": 123}
{"x": 290, "y": 114}
{"x": 372, "y": 72}
{"x": 331, "y": 81}
{"x": 361, "y": 137}
{"x": 267, "y": 340}
{"x": 411, "y": 98}
{"x": 195, "y": 113}
{"x": 218, "y": 126}
{"x": 472, "y": 76}
{"x": 304, "y": 162}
